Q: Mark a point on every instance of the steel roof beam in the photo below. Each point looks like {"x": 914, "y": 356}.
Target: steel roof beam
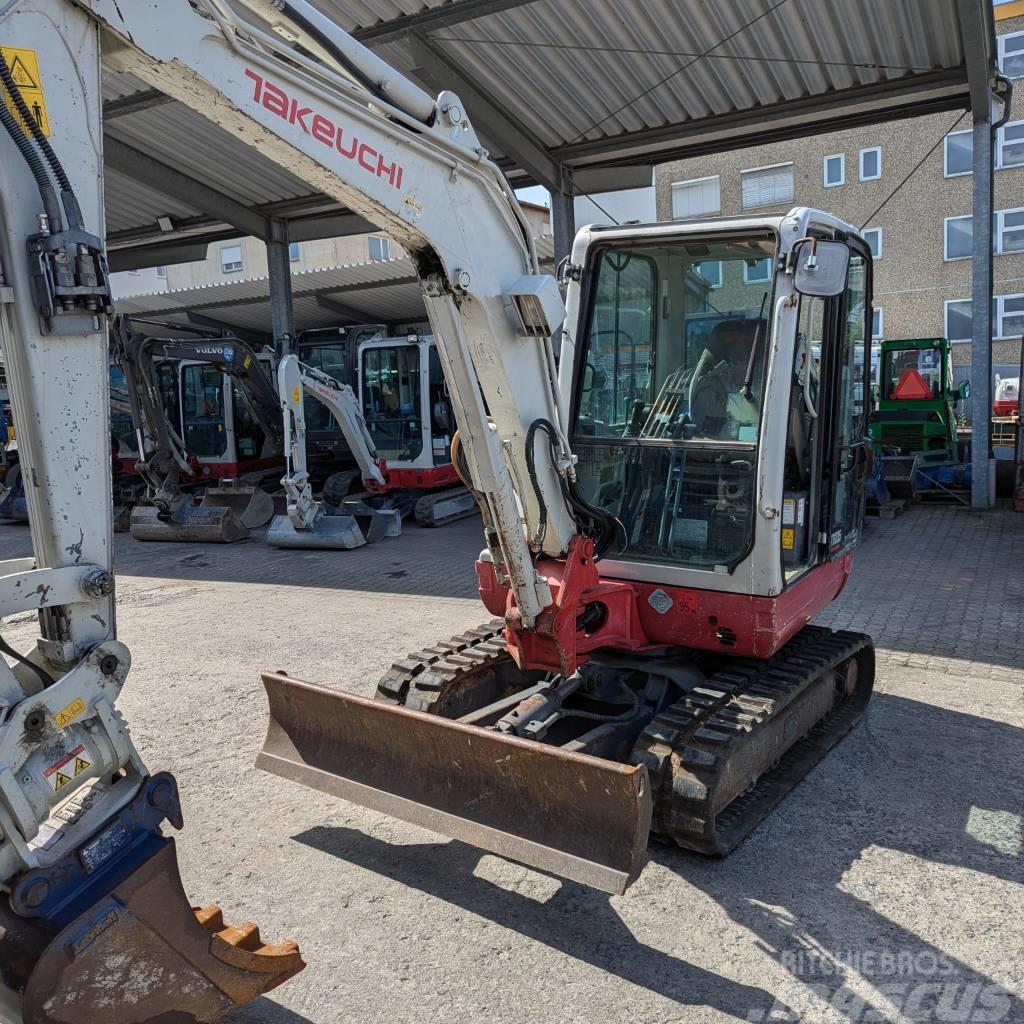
{"x": 135, "y": 103}
{"x": 453, "y": 13}
{"x": 833, "y": 111}
{"x": 146, "y": 170}
{"x": 490, "y": 118}
{"x": 346, "y": 312}
{"x": 258, "y": 339}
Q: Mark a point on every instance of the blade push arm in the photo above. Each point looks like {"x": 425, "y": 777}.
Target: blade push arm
{"x": 356, "y": 130}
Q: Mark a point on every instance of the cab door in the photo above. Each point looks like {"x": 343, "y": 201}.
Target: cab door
{"x": 849, "y": 381}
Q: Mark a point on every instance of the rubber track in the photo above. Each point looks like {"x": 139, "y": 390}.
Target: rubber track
{"x": 424, "y": 505}
{"x": 417, "y": 681}
{"x": 688, "y": 748}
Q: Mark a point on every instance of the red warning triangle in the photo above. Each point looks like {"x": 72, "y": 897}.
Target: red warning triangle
{"x": 912, "y": 386}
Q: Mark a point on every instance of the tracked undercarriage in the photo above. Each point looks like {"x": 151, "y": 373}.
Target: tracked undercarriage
{"x": 570, "y": 774}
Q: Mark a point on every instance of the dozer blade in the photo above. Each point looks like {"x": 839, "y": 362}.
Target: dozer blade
{"x": 253, "y": 507}
{"x": 199, "y": 525}
{"x": 141, "y": 955}
{"x": 571, "y": 814}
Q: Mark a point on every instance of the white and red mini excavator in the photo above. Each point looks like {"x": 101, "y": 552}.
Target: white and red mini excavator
{"x": 664, "y": 510}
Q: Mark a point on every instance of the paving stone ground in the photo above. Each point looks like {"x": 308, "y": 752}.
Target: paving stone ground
{"x": 888, "y": 887}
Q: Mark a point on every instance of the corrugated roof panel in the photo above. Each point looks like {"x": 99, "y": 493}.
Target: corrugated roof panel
{"x": 190, "y": 143}
{"x": 131, "y": 205}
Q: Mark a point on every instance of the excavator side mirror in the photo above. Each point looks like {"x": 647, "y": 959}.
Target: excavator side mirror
{"x": 965, "y": 389}
{"x": 819, "y": 267}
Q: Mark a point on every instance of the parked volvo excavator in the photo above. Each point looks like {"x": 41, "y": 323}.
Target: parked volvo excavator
{"x": 664, "y": 512}
{"x": 151, "y": 363}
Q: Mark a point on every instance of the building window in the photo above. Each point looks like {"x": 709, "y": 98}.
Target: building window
{"x": 1010, "y": 144}
{"x": 1009, "y": 231}
{"x": 380, "y": 248}
{"x": 711, "y": 271}
{"x": 873, "y": 236}
{"x": 697, "y": 198}
{"x": 871, "y": 164}
{"x": 1011, "y": 316}
{"x": 877, "y": 323}
{"x": 161, "y": 272}
{"x": 767, "y": 186}
{"x": 231, "y": 258}
{"x": 835, "y": 170}
{"x": 293, "y": 251}
{"x": 1011, "y": 54}
{"x": 959, "y": 236}
{"x": 959, "y": 154}
{"x": 958, "y": 319}
{"x": 1007, "y": 318}
{"x": 757, "y": 271}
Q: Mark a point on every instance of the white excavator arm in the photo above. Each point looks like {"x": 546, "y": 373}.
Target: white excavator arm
{"x": 294, "y": 381}
{"x": 79, "y": 813}
{"x": 353, "y": 128}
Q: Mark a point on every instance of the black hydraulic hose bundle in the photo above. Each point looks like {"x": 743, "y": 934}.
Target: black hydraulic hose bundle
{"x": 596, "y": 523}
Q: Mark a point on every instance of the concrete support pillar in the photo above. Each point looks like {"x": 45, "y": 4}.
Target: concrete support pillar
{"x": 282, "y": 313}
{"x": 981, "y": 308}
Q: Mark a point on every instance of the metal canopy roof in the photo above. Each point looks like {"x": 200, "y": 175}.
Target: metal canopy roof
{"x": 580, "y": 95}
{"x": 380, "y": 292}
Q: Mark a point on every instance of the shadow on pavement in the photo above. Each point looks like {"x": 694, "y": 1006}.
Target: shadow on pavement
{"x": 577, "y": 921}
{"x": 939, "y": 785}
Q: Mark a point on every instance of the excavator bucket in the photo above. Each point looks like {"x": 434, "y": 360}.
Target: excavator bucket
{"x": 335, "y": 532}
{"x": 899, "y": 471}
{"x": 578, "y": 816}
{"x": 140, "y": 955}
{"x": 198, "y": 525}
{"x": 253, "y": 507}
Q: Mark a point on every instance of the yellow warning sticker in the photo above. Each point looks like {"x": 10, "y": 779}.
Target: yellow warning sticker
{"x": 296, "y": 396}
{"x": 787, "y": 539}
{"x": 70, "y": 713}
{"x": 61, "y": 772}
{"x": 25, "y": 70}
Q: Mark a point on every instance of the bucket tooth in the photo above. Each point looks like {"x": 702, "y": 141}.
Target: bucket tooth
{"x": 578, "y": 816}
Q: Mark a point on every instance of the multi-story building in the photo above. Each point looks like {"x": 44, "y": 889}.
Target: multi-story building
{"x": 908, "y": 185}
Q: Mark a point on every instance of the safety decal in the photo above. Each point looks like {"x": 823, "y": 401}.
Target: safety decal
{"x": 67, "y": 715}
{"x": 25, "y": 71}
{"x": 69, "y": 767}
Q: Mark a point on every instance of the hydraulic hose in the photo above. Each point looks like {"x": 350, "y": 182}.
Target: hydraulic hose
{"x": 68, "y": 198}
{"x": 35, "y": 164}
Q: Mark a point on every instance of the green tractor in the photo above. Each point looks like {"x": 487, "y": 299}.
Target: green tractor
{"x": 913, "y": 427}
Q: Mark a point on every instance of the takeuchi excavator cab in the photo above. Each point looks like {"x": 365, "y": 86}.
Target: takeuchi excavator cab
{"x": 684, "y": 428}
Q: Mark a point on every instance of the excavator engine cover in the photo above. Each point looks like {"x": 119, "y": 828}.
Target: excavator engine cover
{"x": 582, "y": 817}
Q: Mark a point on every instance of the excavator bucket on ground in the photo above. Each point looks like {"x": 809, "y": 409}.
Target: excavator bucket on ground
{"x": 139, "y": 955}
{"x": 335, "y": 532}
{"x": 226, "y": 514}
{"x": 253, "y": 507}
{"x": 196, "y": 525}
{"x": 582, "y": 817}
